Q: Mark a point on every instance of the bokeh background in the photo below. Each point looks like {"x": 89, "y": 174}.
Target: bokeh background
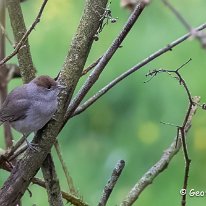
{"x": 125, "y": 123}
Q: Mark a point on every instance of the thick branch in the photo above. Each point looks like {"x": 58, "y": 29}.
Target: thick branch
{"x": 28, "y": 166}
{"x": 52, "y": 182}
{"x": 161, "y": 165}
{"x": 19, "y": 29}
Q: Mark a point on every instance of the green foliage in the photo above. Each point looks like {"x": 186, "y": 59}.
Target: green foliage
{"x": 125, "y": 123}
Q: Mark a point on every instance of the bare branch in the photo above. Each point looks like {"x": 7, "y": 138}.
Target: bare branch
{"x": 90, "y": 67}
{"x": 3, "y": 72}
{"x": 51, "y": 182}
{"x": 112, "y": 182}
{"x": 70, "y": 182}
{"x": 105, "y": 59}
{"x": 181, "y": 129}
{"x": 21, "y": 36}
{"x": 201, "y": 36}
{"x": 3, "y": 30}
{"x": 160, "y": 166}
{"x": 13, "y": 71}
{"x": 144, "y": 62}
{"x": 178, "y": 15}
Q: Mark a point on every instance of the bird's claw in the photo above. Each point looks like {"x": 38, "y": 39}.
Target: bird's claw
{"x": 32, "y": 146}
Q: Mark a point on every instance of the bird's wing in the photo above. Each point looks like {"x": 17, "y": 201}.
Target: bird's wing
{"x": 15, "y": 106}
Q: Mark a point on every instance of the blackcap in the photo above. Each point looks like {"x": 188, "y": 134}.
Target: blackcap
{"x": 29, "y": 107}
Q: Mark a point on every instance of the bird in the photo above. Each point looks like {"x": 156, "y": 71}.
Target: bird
{"x": 29, "y": 107}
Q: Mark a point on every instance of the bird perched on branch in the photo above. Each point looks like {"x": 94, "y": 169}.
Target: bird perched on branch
{"x": 29, "y": 107}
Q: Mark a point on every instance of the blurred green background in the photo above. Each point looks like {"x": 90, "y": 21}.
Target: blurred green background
{"x": 125, "y": 123}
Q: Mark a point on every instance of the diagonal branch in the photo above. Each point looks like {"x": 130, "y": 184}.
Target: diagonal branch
{"x": 178, "y": 15}
{"x": 201, "y": 36}
{"x": 69, "y": 179}
{"x": 22, "y": 48}
{"x": 130, "y": 71}
{"x": 112, "y": 182}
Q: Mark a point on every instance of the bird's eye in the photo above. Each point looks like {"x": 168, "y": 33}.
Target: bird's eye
{"x": 49, "y": 87}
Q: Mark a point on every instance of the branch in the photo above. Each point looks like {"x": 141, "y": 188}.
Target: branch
{"x": 90, "y": 67}
{"x": 70, "y": 198}
{"x": 178, "y": 15}
{"x": 111, "y": 183}
{"x": 13, "y": 71}
{"x": 69, "y": 179}
{"x": 52, "y": 182}
{"x": 27, "y": 167}
{"x": 199, "y": 35}
{"x": 181, "y": 129}
{"x": 22, "y": 48}
{"x": 105, "y": 59}
{"x": 144, "y": 62}
{"x": 3, "y": 73}
{"x": 3, "y": 31}
{"x": 161, "y": 165}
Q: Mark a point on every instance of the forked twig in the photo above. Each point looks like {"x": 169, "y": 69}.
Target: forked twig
{"x": 181, "y": 130}
{"x": 25, "y": 36}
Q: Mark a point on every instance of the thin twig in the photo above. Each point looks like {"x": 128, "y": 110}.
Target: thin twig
{"x": 91, "y": 66}
{"x": 178, "y": 15}
{"x": 160, "y": 166}
{"x": 112, "y": 182}
{"x": 118, "y": 79}
{"x": 6, "y": 35}
{"x": 25, "y": 36}
{"x": 3, "y": 72}
{"x": 70, "y": 182}
{"x": 10, "y": 154}
{"x": 199, "y": 35}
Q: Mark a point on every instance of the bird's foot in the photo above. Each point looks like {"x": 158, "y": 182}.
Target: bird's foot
{"x": 32, "y": 146}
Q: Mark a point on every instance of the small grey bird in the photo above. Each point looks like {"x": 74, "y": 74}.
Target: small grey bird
{"x": 29, "y": 107}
